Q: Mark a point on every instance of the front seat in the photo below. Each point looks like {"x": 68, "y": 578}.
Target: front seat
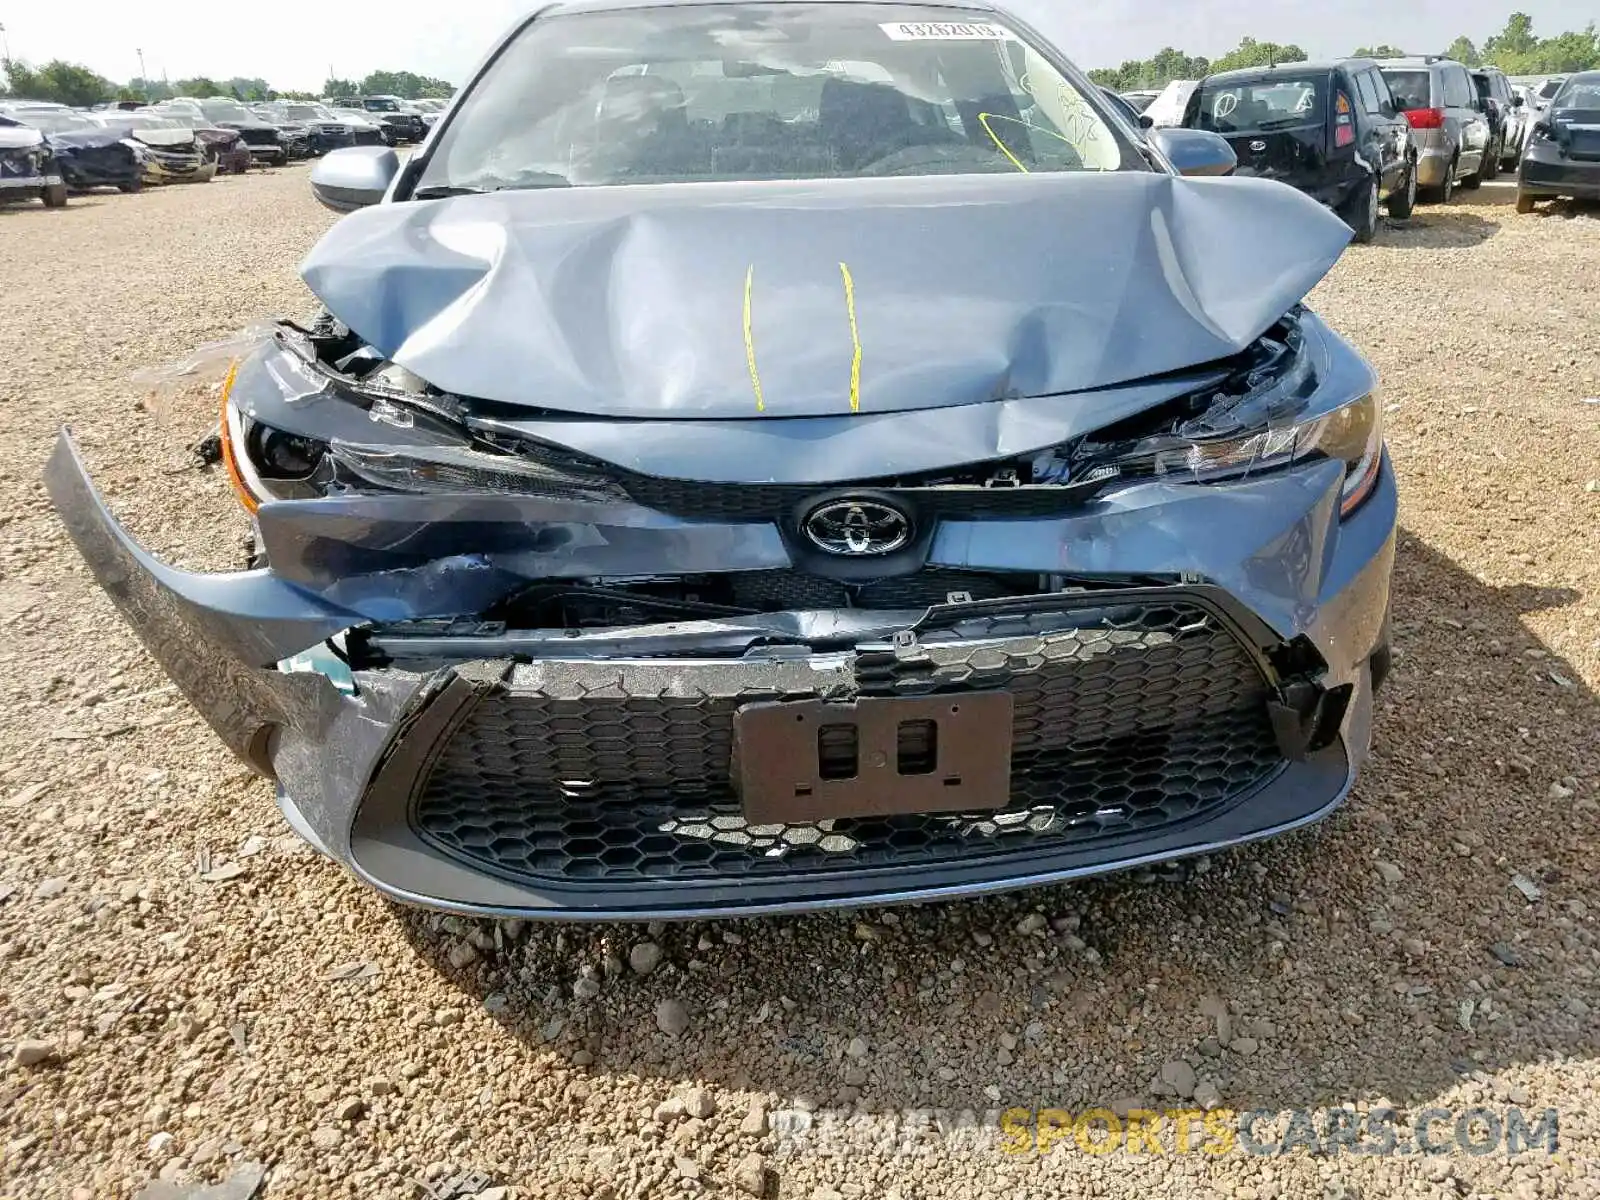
{"x": 863, "y": 122}
{"x": 641, "y": 127}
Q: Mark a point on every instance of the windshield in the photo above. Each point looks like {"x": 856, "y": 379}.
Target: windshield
{"x": 1412, "y": 89}
{"x": 1258, "y": 105}
{"x": 1549, "y": 88}
{"x": 303, "y": 112}
{"x": 767, "y": 91}
{"x": 380, "y": 104}
{"x": 52, "y": 120}
{"x": 227, "y": 110}
{"x": 1579, "y": 93}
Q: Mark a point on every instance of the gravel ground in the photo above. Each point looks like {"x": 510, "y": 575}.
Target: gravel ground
{"x": 161, "y": 1020}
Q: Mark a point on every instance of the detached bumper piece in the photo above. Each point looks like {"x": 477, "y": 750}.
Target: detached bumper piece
{"x": 1138, "y": 730}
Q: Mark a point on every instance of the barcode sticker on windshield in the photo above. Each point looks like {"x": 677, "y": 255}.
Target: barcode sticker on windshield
{"x": 945, "y": 31}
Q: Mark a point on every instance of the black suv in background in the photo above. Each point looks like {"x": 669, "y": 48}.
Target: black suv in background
{"x": 1330, "y": 129}
{"x": 1507, "y": 125}
{"x": 405, "y": 125}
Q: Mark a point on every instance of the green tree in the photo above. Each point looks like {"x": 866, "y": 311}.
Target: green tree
{"x": 150, "y": 89}
{"x": 1463, "y": 51}
{"x": 405, "y": 84}
{"x": 200, "y": 87}
{"x": 58, "y": 81}
{"x": 1167, "y": 65}
{"x": 1568, "y": 52}
{"x": 250, "y": 91}
{"x": 20, "y": 79}
{"x": 1383, "y": 50}
{"x": 1252, "y": 53}
{"x": 1516, "y": 40}
{"x": 342, "y": 88}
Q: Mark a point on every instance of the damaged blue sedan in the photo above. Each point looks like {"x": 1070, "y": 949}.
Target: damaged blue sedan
{"x": 767, "y": 456}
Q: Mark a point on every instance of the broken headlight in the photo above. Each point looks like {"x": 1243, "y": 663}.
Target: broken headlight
{"x": 268, "y": 464}
{"x": 1270, "y": 415}
{"x": 466, "y": 469}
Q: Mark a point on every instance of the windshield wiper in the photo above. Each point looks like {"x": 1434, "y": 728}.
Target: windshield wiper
{"x": 532, "y": 180}
{"x": 443, "y": 191}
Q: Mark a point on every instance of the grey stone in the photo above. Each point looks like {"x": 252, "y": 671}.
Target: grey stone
{"x": 33, "y": 1052}
{"x": 672, "y": 1018}
{"x": 750, "y": 1175}
{"x": 699, "y": 1103}
{"x": 645, "y": 958}
{"x": 1506, "y": 953}
{"x": 1179, "y": 1076}
{"x": 755, "y": 1120}
{"x": 1033, "y": 925}
{"x": 327, "y": 1138}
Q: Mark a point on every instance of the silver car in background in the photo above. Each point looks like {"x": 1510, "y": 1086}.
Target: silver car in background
{"x": 1448, "y": 120}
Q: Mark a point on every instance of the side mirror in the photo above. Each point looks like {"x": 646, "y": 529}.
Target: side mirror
{"x": 1195, "y": 152}
{"x": 1516, "y": 102}
{"x": 345, "y": 180}
{"x": 1146, "y": 121}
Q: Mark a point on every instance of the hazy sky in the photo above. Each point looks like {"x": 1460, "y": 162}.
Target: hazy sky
{"x": 294, "y": 43}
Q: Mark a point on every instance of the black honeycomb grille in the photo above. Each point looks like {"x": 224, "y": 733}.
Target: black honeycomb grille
{"x": 588, "y": 772}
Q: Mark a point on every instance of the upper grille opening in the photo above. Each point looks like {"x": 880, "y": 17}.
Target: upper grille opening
{"x": 608, "y": 604}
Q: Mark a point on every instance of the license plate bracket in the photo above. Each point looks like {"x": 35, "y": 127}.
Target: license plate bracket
{"x": 801, "y": 762}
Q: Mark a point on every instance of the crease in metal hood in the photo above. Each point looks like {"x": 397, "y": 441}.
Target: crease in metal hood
{"x": 822, "y": 298}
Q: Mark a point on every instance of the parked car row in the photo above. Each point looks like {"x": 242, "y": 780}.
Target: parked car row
{"x": 48, "y": 150}
{"x": 1361, "y": 135}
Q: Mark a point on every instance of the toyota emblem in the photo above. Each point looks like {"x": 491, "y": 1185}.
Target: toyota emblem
{"x": 857, "y": 528}
{"x": 1257, "y": 147}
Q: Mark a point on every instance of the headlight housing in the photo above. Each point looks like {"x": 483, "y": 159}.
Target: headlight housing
{"x": 1269, "y": 416}
{"x": 265, "y": 463}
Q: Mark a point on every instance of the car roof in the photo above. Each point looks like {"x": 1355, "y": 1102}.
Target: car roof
{"x": 1418, "y": 62}
{"x": 577, "y": 6}
{"x": 1293, "y": 68}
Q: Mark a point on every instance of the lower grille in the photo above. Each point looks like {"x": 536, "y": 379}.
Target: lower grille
{"x": 1134, "y": 721}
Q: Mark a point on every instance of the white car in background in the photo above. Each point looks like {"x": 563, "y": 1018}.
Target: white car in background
{"x": 1538, "y": 91}
{"x": 1166, "y": 110}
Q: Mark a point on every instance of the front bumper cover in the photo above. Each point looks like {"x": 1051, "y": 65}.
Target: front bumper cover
{"x": 1278, "y": 562}
{"x": 1546, "y": 172}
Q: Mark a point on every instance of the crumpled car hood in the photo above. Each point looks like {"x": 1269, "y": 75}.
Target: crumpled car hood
{"x": 87, "y": 139}
{"x": 164, "y": 138}
{"x": 822, "y": 298}
{"x": 19, "y": 137}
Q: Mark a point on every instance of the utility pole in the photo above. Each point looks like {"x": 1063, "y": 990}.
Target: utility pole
{"x": 144, "y": 80}
{"x": 5, "y": 43}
